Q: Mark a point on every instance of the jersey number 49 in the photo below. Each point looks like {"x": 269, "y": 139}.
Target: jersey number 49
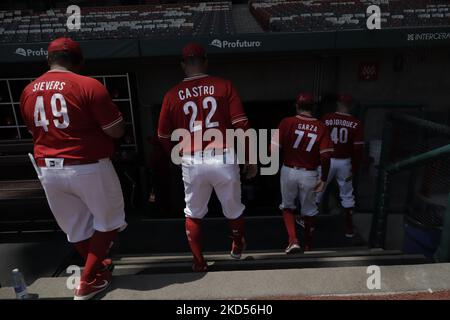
{"x": 61, "y": 118}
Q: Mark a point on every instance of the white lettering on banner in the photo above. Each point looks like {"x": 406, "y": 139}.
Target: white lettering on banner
{"x": 428, "y": 36}
{"x": 226, "y": 44}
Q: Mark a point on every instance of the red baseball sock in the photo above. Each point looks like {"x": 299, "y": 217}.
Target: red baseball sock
{"x": 309, "y": 228}
{"x": 99, "y": 245}
{"x": 289, "y": 222}
{"x": 237, "y": 227}
{"x": 194, "y": 235}
{"x": 82, "y": 248}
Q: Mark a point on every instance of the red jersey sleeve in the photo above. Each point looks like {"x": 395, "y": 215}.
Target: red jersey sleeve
{"x": 326, "y": 145}
{"x": 165, "y": 125}
{"x": 359, "y": 135}
{"x": 277, "y": 138}
{"x": 237, "y": 114}
{"x": 103, "y": 109}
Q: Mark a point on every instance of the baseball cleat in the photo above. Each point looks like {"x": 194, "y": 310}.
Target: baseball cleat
{"x": 299, "y": 220}
{"x": 293, "y": 247}
{"x": 107, "y": 265}
{"x": 199, "y": 266}
{"x": 237, "y": 247}
{"x": 350, "y": 234}
{"x": 87, "y": 290}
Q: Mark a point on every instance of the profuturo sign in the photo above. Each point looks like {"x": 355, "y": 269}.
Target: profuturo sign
{"x": 41, "y": 52}
{"x": 235, "y": 44}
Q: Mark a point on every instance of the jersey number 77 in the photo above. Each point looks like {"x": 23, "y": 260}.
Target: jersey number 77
{"x": 300, "y": 134}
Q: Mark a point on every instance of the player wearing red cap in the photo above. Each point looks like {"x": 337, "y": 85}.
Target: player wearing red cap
{"x": 198, "y": 104}
{"x": 73, "y": 122}
{"x": 347, "y": 135}
{"x": 305, "y": 144}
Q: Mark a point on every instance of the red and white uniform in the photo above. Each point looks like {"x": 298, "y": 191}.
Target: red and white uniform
{"x": 66, "y": 114}
{"x": 305, "y": 145}
{"x": 347, "y": 135}
{"x": 197, "y": 104}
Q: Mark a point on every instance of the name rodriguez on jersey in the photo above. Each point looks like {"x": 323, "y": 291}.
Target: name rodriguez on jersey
{"x": 48, "y": 85}
{"x": 195, "y": 92}
{"x": 340, "y": 122}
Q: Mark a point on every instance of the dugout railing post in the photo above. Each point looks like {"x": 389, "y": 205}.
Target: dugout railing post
{"x": 379, "y": 223}
{"x": 379, "y": 220}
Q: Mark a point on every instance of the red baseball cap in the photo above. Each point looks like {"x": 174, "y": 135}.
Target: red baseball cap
{"x": 193, "y": 50}
{"x": 305, "y": 98}
{"x": 65, "y": 44}
{"x": 345, "y": 98}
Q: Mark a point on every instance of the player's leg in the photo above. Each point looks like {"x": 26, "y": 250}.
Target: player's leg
{"x": 309, "y": 207}
{"x": 197, "y": 190}
{"x": 99, "y": 188}
{"x": 226, "y": 181}
{"x": 289, "y": 193}
{"x": 70, "y": 212}
{"x": 345, "y": 182}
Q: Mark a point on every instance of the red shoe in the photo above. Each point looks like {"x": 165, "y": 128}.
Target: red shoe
{"x": 199, "y": 266}
{"x": 87, "y": 290}
{"x": 237, "y": 247}
{"x": 293, "y": 247}
{"x": 348, "y": 220}
{"x": 307, "y": 247}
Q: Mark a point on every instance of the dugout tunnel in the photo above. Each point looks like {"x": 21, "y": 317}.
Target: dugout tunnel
{"x": 267, "y": 83}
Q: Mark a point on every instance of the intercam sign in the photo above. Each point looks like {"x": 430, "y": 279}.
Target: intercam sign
{"x": 428, "y": 36}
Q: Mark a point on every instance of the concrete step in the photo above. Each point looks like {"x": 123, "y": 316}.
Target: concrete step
{"x": 262, "y": 260}
{"x": 279, "y": 283}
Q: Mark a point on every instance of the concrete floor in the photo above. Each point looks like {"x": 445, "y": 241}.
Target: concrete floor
{"x": 258, "y": 284}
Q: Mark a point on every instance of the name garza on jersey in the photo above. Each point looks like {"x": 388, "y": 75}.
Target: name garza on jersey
{"x": 340, "y": 122}
{"x": 195, "y": 92}
{"x": 307, "y": 127}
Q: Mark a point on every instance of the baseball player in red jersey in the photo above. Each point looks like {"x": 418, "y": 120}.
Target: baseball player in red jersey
{"x": 347, "y": 135}
{"x": 199, "y": 103}
{"x": 305, "y": 144}
{"x": 73, "y": 122}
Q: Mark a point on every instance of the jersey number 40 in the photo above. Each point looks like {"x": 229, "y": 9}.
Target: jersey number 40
{"x": 61, "y": 118}
{"x": 339, "y": 135}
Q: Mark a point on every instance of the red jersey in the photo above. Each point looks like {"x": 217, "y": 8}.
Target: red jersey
{"x": 303, "y": 141}
{"x": 199, "y": 103}
{"x": 66, "y": 114}
{"x": 346, "y": 133}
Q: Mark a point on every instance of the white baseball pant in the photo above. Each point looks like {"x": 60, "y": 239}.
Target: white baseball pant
{"x": 341, "y": 169}
{"x": 299, "y": 183}
{"x": 84, "y": 198}
{"x": 202, "y": 174}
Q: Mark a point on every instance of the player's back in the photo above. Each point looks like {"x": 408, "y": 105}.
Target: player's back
{"x": 61, "y": 110}
{"x": 302, "y": 140}
{"x": 345, "y": 131}
{"x": 200, "y": 103}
